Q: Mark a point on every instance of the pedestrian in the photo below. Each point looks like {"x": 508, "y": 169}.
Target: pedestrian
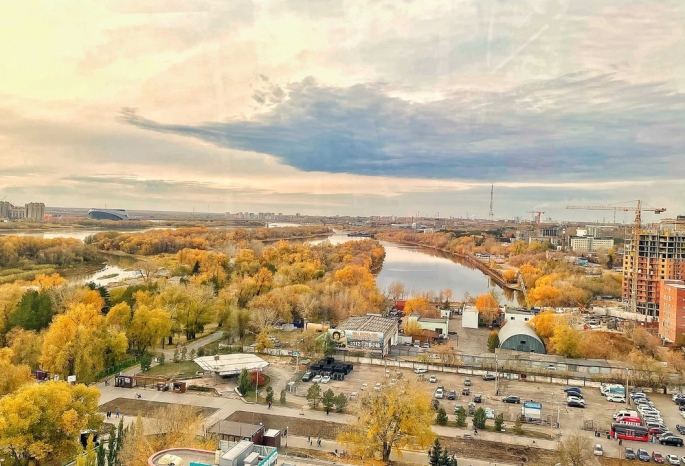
{"x": 620, "y": 442}
{"x": 318, "y": 442}
{"x": 309, "y": 439}
{"x": 117, "y": 413}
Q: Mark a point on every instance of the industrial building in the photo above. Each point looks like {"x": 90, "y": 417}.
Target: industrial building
{"x": 518, "y": 315}
{"x": 517, "y": 336}
{"x": 230, "y": 364}
{"x": 31, "y": 211}
{"x": 438, "y": 325}
{"x": 371, "y": 333}
{"x": 660, "y": 256}
{"x": 672, "y": 309}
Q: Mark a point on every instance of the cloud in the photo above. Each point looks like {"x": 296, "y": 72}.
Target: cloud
{"x": 575, "y": 127}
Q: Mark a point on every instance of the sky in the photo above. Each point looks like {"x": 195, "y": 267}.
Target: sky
{"x": 345, "y": 107}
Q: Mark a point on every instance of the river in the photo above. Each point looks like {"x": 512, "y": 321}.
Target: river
{"x": 420, "y": 269}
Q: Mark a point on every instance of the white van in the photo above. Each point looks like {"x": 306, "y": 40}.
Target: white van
{"x": 624, "y": 413}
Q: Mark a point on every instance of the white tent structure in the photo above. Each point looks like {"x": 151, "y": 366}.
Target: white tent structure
{"x": 170, "y": 460}
{"x": 230, "y": 364}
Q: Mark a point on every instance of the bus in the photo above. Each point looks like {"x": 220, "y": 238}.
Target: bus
{"x": 632, "y": 420}
{"x": 630, "y": 432}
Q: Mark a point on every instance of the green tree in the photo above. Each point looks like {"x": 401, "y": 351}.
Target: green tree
{"x": 493, "y": 341}
{"x": 145, "y": 362}
{"x": 161, "y": 358}
{"x": 112, "y": 447}
{"x": 340, "y": 402}
{"x": 244, "y": 382}
{"x": 461, "y": 417}
{"x": 441, "y": 417}
{"x": 101, "y": 459}
{"x": 34, "y": 312}
{"x": 499, "y": 422}
{"x": 282, "y": 400}
{"x": 446, "y": 459}
{"x": 434, "y": 453}
{"x": 269, "y": 394}
{"x": 314, "y": 395}
{"x": 518, "y": 426}
{"x": 328, "y": 400}
{"x": 479, "y": 419}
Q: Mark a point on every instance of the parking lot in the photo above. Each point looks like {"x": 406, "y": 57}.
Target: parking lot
{"x": 596, "y": 415}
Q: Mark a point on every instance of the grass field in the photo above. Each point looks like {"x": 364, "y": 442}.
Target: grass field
{"x": 131, "y": 407}
{"x": 183, "y": 369}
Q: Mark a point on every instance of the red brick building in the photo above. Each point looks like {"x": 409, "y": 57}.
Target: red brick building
{"x": 672, "y": 309}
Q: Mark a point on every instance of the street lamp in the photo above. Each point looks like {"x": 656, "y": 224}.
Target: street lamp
{"x": 626, "y": 390}
{"x": 286, "y": 435}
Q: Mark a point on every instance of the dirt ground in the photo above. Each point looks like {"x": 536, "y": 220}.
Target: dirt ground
{"x": 495, "y": 451}
{"x": 146, "y": 408}
{"x": 296, "y": 426}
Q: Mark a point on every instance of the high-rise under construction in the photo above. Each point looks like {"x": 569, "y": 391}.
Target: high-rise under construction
{"x": 660, "y": 256}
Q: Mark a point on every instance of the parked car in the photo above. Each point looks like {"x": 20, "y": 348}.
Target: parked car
{"x": 317, "y": 379}
{"x": 451, "y": 395}
{"x": 682, "y": 413}
{"x": 489, "y": 413}
{"x": 457, "y": 408}
{"x": 307, "y": 376}
{"x": 467, "y": 382}
{"x": 477, "y": 398}
{"x": 672, "y": 459}
{"x": 675, "y": 396}
{"x": 378, "y": 386}
{"x": 575, "y": 404}
{"x": 466, "y": 391}
{"x": 680, "y": 428}
{"x": 657, "y": 457}
{"x": 598, "y": 450}
{"x": 433, "y": 379}
{"x": 572, "y": 389}
{"x": 630, "y": 454}
{"x": 439, "y": 393}
{"x": 364, "y": 386}
{"x": 426, "y": 344}
{"x": 643, "y": 455}
{"x": 671, "y": 440}
{"x": 624, "y": 412}
{"x": 574, "y": 393}
{"x": 511, "y": 399}
{"x": 616, "y": 398}
{"x": 489, "y": 377}
{"x": 575, "y": 398}
{"x": 325, "y": 379}
{"x": 420, "y": 370}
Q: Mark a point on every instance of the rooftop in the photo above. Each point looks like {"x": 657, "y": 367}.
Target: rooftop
{"x": 230, "y": 364}
{"x": 369, "y": 323}
{"x": 432, "y": 319}
{"x": 236, "y": 429}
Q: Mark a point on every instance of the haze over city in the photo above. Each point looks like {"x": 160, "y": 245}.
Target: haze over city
{"x": 344, "y": 107}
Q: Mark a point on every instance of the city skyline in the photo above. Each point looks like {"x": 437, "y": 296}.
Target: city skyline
{"x": 346, "y": 108}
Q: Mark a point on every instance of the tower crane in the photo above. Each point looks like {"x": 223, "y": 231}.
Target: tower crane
{"x": 637, "y": 227}
{"x": 539, "y": 214}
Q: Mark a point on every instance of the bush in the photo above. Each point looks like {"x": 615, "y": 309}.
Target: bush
{"x": 257, "y": 378}
{"x": 493, "y": 341}
{"x": 518, "y": 429}
{"x": 244, "y": 382}
{"x": 201, "y": 352}
{"x": 161, "y": 358}
{"x": 340, "y": 402}
{"x": 441, "y": 418}
{"x": 145, "y": 362}
{"x": 479, "y": 419}
{"x": 282, "y": 399}
{"x": 269, "y": 394}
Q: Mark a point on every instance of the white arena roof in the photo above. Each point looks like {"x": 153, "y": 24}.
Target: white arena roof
{"x": 230, "y": 364}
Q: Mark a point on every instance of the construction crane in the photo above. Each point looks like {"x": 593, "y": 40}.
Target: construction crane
{"x": 637, "y": 227}
{"x": 539, "y": 214}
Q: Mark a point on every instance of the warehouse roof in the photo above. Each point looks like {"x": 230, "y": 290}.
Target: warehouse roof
{"x": 369, "y": 323}
{"x": 513, "y": 328}
{"x": 230, "y": 364}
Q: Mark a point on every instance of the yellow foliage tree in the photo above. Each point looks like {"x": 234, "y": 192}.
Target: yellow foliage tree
{"x": 119, "y": 316}
{"x": 148, "y": 327}
{"x": 544, "y": 295}
{"x": 418, "y": 304}
{"x": 392, "y": 419}
{"x": 544, "y": 324}
{"x": 488, "y": 307}
{"x": 509, "y": 276}
{"x": 44, "y": 420}
{"x": 43, "y": 281}
{"x": 11, "y": 376}
{"x": 412, "y": 328}
{"x": 26, "y": 346}
{"x": 566, "y": 340}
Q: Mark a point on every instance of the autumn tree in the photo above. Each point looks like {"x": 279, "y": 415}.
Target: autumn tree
{"x": 12, "y": 376}
{"x": 412, "y": 328}
{"x": 45, "y": 420}
{"x": 493, "y": 341}
{"x": 488, "y": 308}
{"x": 566, "y": 340}
{"x": 148, "y": 326}
{"x": 576, "y": 450}
{"x": 43, "y": 281}
{"x": 146, "y": 270}
{"x": 26, "y": 346}
{"x": 420, "y": 305}
{"x": 391, "y": 419}
{"x": 544, "y": 323}
{"x": 396, "y": 290}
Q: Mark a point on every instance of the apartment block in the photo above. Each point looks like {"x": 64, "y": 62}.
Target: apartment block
{"x": 590, "y": 244}
{"x": 672, "y": 309}
{"x": 31, "y": 211}
{"x": 660, "y": 256}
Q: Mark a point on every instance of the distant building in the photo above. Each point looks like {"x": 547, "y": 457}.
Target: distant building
{"x": 518, "y": 315}
{"x": 365, "y": 333}
{"x": 438, "y": 325}
{"x": 590, "y": 244}
{"x": 469, "y": 318}
{"x": 31, "y": 211}
{"x": 108, "y": 214}
{"x": 35, "y": 211}
{"x": 672, "y": 310}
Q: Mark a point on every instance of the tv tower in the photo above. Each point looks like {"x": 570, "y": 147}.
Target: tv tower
{"x": 492, "y": 190}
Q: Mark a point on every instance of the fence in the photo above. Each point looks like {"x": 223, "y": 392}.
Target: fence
{"x": 116, "y": 369}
